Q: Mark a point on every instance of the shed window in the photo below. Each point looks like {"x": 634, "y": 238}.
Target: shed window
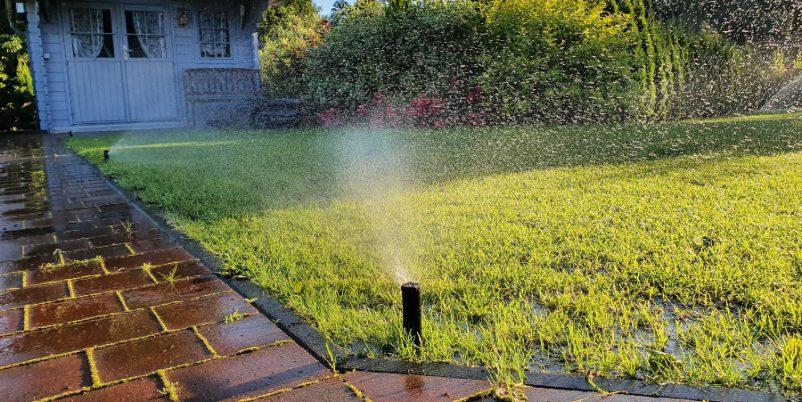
{"x": 215, "y": 41}
{"x": 91, "y": 32}
{"x": 145, "y": 33}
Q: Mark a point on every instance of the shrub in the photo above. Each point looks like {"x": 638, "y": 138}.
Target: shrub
{"x": 558, "y": 61}
{"x": 402, "y": 54}
{"x": 722, "y": 78}
{"x": 17, "y": 108}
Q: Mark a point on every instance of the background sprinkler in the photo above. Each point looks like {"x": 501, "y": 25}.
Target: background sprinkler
{"x": 410, "y": 298}
{"x": 105, "y": 155}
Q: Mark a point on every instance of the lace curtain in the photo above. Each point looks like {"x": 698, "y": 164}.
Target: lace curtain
{"x": 87, "y": 28}
{"x": 149, "y": 29}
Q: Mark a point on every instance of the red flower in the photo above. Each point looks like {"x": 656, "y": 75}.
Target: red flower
{"x": 378, "y": 98}
{"x": 437, "y": 107}
{"x": 376, "y": 120}
{"x": 362, "y": 110}
{"x": 475, "y": 119}
{"x": 421, "y": 104}
{"x": 475, "y": 95}
{"x": 329, "y": 118}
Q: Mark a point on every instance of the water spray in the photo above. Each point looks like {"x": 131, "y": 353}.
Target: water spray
{"x": 105, "y": 155}
{"x": 410, "y": 299}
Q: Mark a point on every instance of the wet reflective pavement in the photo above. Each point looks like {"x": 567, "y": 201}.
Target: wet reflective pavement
{"x": 96, "y": 305}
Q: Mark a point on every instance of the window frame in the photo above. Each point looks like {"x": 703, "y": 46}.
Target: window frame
{"x": 163, "y": 35}
{"x": 215, "y": 30}
{"x": 112, "y": 35}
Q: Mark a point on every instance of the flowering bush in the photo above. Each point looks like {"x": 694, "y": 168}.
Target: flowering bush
{"x": 423, "y": 110}
{"x": 330, "y": 118}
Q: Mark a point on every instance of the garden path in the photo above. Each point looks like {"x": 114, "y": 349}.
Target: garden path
{"x": 96, "y": 304}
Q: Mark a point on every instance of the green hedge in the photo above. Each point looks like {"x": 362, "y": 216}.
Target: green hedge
{"x": 527, "y": 61}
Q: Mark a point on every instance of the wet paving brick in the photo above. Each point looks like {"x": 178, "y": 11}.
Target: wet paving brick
{"x": 118, "y": 250}
{"x": 29, "y": 263}
{"x": 125, "y": 237}
{"x": 34, "y": 235}
{"x": 230, "y": 338}
{"x": 26, "y": 212}
{"x": 142, "y": 389}
{"x": 11, "y": 281}
{"x": 33, "y": 295}
{"x": 329, "y": 390}
{"x": 10, "y": 226}
{"x": 401, "y": 387}
{"x": 10, "y": 251}
{"x": 45, "y": 379}
{"x": 154, "y": 258}
{"x": 86, "y": 234}
{"x": 166, "y": 292}
{"x": 203, "y": 310}
{"x": 150, "y": 245}
{"x": 62, "y": 272}
{"x": 39, "y": 343}
{"x": 50, "y": 248}
{"x": 248, "y": 374}
{"x": 11, "y": 321}
{"x": 115, "y": 281}
{"x": 179, "y": 270}
{"x": 70, "y": 310}
{"x": 143, "y": 356}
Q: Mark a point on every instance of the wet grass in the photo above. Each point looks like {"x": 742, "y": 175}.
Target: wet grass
{"x": 667, "y": 252}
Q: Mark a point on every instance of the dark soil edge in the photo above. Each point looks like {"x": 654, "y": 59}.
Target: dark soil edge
{"x": 311, "y": 340}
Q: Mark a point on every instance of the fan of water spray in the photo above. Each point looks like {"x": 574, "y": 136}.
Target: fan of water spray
{"x": 374, "y": 171}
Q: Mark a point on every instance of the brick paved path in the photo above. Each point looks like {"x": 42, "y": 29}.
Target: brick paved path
{"x": 96, "y": 305}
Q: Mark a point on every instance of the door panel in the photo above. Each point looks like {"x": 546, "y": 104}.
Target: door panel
{"x": 94, "y": 65}
{"x": 149, "y": 69}
{"x": 96, "y": 90}
{"x": 151, "y": 90}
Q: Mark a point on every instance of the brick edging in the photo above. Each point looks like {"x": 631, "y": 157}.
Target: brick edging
{"x": 311, "y": 340}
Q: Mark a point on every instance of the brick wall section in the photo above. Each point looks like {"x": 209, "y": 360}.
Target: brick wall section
{"x": 96, "y": 305}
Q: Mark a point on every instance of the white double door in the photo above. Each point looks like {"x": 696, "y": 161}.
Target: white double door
{"x": 119, "y": 63}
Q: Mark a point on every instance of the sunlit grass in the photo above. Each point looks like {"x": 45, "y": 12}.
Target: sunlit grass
{"x": 668, "y": 252}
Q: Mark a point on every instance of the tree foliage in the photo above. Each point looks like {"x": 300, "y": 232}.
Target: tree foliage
{"x": 287, "y": 33}
{"x": 17, "y": 109}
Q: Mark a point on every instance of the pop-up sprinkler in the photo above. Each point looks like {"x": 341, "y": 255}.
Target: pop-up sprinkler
{"x": 105, "y": 155}
{"x": 410, "y": 299}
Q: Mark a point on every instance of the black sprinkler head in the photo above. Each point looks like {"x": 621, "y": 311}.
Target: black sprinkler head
{"x": 106, "y": 155}
{"x": 410, "y": 298}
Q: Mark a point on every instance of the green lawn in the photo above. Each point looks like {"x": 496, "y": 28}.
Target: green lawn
{"x": 668, "y": 252}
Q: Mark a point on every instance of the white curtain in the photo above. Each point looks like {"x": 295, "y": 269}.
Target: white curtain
{"x": 87, "y": 27}
{"x": 149, "y": 30}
